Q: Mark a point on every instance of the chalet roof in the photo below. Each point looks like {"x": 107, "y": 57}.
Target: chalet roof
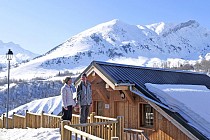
{"x": 137, "y": 75}
{"x": 119, "y": 73}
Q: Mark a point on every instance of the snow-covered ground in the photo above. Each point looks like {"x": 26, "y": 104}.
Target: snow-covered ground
{"x": 52, "y": 104}
{"x": 48, "y": 105}
{"x": 30, "y": 134}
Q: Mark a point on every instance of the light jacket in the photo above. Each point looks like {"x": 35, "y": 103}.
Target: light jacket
{"x": 67, "y": 96}
{"x": 84, "y": 94}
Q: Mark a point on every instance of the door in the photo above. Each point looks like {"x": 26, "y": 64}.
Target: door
{"x": 99, "y": 108}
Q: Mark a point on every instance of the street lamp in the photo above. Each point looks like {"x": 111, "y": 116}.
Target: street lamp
{"x": 9, "y": 56}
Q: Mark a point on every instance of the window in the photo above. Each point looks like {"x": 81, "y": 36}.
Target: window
{"x": 146, "y": 115}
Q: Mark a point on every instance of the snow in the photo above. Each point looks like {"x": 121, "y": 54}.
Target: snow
{"x": 52, "y": 104}
{"x": 190, "y": 101}
{"x": 19, "y": 53}
{"x": 150, "y": 45}
{"x": 30, "y": 134}
{"x": 48, "y": 105}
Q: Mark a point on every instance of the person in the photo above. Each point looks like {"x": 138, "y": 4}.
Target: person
{"x": 67, "y": 99}
{"x": 84, "y": 97}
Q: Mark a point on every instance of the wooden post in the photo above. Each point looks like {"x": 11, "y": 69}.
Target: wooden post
{"x": 120, "y": 127}
{"x": 1, "y": 121}
{"x": 26, "y": 119}
{"x": 109, "y": 131}
{"x": 42, "y": 120}
{"x": 92, "y": 120}
{"x": 64, "y": 133}
{"x": 13, "y": 120}
{"x": 3, "y": 125}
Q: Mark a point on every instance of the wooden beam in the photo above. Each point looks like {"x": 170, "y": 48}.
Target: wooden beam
{"x": 98, "y": 86}
{"x": 103, "y": 97}
{"x": 96, "y": 80}
{"x": 121, "y": 88}
{"x": 104, "y": 78}
{"x": 108, "y": 88}
{"x": 129, "y": 97}
{"x": 92, "y": 77}
{"x": 93, "y": 73}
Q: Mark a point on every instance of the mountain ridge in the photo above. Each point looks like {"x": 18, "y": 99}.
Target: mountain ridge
{"x": 19, "y": 54}
{"x": 115, "y": 40}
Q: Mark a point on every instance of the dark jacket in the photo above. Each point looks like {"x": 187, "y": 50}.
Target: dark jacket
{"x": 84, "y": 94}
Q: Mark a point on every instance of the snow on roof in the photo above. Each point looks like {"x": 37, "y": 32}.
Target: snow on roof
{"x": 192, "y": 102}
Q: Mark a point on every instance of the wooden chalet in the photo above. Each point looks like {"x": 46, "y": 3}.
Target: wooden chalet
{"x": 119, "y": 90}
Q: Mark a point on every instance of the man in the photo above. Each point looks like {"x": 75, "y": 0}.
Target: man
{"x": 84, "y": 98}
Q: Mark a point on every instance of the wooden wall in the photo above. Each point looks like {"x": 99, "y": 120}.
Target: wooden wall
{"x": 116, "y": 106}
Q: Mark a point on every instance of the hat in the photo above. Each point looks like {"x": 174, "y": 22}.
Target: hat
{"x": 66, "y": 80}
{"x": 84, "y": 75}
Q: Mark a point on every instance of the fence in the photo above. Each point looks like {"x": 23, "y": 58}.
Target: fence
{"x": 31, "y": 120}
{"x": 134, "y": 134}
{"x": 97, "y": 128}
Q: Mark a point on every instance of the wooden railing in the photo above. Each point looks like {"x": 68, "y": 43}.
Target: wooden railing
{"x": 101, "y": 127}
{"x": 18, "y": 121}
{"x": 98, "y": 127}
{"x": 31, "y": 120}
{"x": 134, "y": 134}
{"x": 3, "y": 122}
{"x": 67, "y": 132}
{"x": 50, "y": 120}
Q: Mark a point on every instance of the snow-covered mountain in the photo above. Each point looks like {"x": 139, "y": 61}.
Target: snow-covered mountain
{"x": 27, "y": 91}
{"x": 23, "y": 92}
{"x": 119, "y": 42}
{"x": 19, "y": 54}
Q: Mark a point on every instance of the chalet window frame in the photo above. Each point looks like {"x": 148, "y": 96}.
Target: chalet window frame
{"x": 143, "y": 114}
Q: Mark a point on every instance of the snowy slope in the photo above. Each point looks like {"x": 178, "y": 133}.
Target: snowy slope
{"x": 48, "y": 105}
{"x": 23, "y": 92}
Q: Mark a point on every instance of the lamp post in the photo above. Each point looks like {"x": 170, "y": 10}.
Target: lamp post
{"x": 9, "y": 56}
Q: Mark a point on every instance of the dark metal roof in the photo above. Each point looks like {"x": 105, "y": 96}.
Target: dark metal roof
{"x": 119, "y": 73}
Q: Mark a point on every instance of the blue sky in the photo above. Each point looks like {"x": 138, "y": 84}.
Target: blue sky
{"x": 40, "y": 25}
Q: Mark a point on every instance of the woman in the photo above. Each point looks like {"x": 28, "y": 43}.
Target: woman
{"x": 67, "y": 99}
